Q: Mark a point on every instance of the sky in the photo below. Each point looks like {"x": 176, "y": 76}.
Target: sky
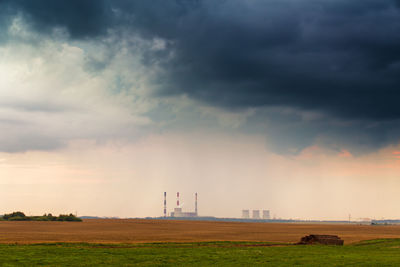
{"x": 286, "y": 105}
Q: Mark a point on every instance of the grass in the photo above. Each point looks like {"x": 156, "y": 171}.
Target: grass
{"x": 382, "y": 252}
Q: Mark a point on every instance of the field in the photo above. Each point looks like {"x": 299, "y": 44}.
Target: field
{"x": 191, "y": 243}
{"x": 142, "y": 231}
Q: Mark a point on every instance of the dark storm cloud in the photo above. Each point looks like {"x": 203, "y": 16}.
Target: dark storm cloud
{"x": 340, "y": 58}
{"x": 82, "y": 18}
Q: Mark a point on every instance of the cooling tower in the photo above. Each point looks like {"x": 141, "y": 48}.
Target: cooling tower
{"x": 245, "y": 214}
{"x": 256, "y": 214}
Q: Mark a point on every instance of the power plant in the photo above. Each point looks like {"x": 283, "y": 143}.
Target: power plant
{"x": 178, "y": 212}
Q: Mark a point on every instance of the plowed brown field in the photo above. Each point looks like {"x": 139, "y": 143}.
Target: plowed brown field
{"x": 134, "y": 231}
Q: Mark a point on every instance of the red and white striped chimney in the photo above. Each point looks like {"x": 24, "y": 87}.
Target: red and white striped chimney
{"x": 165, "y": 204}
{"x": 195, "y": 204}
{"x": 177, "y": 199}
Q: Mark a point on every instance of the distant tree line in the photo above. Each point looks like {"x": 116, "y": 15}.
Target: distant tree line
{"x": 20, "y": 216}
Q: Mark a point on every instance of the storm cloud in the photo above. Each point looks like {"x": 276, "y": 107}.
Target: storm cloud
{"x": 337, "y": 58}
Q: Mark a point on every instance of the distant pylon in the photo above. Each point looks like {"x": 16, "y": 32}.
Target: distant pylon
{"x": 165, "y": 204}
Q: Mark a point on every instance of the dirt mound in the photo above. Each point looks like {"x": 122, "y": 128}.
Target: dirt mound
{"x": 321, "y": 239}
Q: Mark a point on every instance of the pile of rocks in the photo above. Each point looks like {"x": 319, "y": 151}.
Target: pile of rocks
{"x": 321, "y": 239}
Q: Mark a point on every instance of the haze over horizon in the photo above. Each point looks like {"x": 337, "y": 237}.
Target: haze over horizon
{"x": 285, "y": 105}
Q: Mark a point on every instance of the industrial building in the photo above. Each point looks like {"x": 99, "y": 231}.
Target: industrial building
{"x": 178, "y": 212}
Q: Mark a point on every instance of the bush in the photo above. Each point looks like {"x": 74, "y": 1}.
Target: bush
{"x": 17, "y": 214}
{"x": 20, "y": 216}
{"x": 68, "y": 218}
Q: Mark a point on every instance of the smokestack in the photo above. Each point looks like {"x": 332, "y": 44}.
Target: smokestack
{"x": 177, "y": 199}
{"x": 195, "y": 203}
{"x": 165, "y": 204}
